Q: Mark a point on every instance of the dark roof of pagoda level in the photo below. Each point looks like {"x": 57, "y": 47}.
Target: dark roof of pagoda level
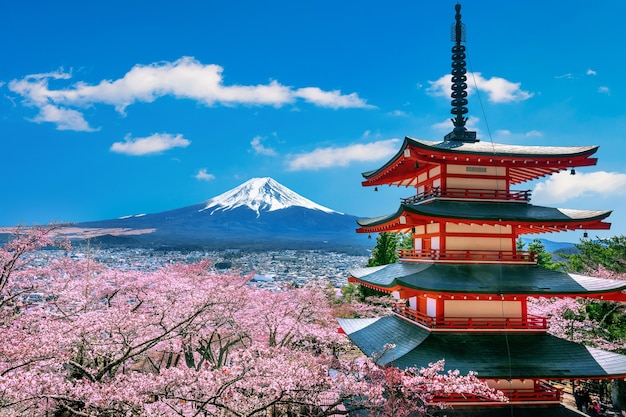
{"x": 491, "y": 355}
{"x": 526, "y": 162}
{"x": 484, "y": 279}
{"x": 491, "y": 212}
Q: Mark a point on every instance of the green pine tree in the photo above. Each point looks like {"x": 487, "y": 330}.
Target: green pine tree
{"x": 386, "y": 249}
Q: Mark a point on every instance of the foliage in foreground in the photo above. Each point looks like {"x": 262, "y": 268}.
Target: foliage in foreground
{"x": 88, "y": 340}
{"x": 596, "y": 323}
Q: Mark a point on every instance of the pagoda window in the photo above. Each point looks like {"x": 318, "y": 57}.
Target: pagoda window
{"x": 413, "y": 303}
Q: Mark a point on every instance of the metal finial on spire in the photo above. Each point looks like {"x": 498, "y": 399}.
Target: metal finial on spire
{"x": 459, "y": 84}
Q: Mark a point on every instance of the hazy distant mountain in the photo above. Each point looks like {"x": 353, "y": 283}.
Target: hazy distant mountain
{"x": 260, "y": 213}
{"x": 551, "y": 246}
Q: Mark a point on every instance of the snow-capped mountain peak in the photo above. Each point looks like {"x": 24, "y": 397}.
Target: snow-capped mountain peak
{"x": 261, "y": 194}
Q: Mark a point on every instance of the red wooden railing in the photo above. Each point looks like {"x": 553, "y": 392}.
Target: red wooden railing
{"x": 542, "y": 393}
{"x": 468, "y": 255}
{"x": 463, "y": 193}
{"x": 530, "y": 322}
{"x": 413, "y": 314}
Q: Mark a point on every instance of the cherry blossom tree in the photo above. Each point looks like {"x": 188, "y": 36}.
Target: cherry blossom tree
{"x": 184, "y": 341}
{"x": 17, "y": 255}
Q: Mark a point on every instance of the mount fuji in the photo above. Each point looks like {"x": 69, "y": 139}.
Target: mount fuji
{"x": 258, "y": 214}
{"x": 261, "y": 194}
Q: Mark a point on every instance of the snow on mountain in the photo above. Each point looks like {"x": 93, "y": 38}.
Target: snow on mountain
{"x": 261, "y": 194}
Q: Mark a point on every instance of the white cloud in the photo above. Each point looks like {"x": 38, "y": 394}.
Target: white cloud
{"x": 562, "y": 187}
{"x": 203, "y": 175}
{"x": 65, "y": 119}
{"x": 185, "y": 78}
{"x": 512, "y": 135}
{"x": 498, "y": 89}
{"x": 604, "y": 90}
{"x": 591, "y": 72}
{"x": 156, "y": 143}
{"x": 568, "y": 76}
{"x": 260, "y": 149}
{"x": 343, "y": 156}
{"x": 398, "y": 113}
{"x": 333, "y": 99}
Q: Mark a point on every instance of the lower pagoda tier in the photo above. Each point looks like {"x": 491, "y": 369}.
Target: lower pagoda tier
{"x": 493, "y": 356}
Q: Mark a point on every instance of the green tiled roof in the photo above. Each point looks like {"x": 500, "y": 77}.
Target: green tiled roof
{"x": 491, "y": 355}
{"x": 490, "y": 149}
{"x": 498, "y": 211}
{"x": 484, "y": 279}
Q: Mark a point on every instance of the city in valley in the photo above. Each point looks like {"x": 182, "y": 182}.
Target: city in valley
{"x": 269, "y": 269}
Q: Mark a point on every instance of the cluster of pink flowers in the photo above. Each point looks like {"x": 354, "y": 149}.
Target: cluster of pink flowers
{"x": 184, "y": 341}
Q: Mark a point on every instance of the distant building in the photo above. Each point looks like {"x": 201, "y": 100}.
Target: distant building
{"x": 462, "y": 289}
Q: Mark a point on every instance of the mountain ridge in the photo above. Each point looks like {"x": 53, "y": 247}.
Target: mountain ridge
{"x": 259, "y": 213}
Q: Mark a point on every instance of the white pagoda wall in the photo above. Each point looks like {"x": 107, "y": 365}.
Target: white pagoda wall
{"x": 475, "y": 243}
{"x": 482, "y": 308}
{"x": 469, "y": 177}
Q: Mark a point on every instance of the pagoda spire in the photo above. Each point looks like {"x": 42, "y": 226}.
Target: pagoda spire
{"x": 459, "y": 84}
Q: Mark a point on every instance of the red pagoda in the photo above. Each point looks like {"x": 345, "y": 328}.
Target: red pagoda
{"x": 462, "y": 291}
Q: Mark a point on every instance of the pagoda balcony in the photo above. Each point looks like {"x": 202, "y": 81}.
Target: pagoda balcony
{"x": 469, "y": 194}
{"x": 467, "y": 256}
{"x": 543, "y": 394}
{"x": 530, "y": 322}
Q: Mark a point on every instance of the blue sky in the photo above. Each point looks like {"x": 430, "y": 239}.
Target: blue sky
{"x": 116, "y": 108}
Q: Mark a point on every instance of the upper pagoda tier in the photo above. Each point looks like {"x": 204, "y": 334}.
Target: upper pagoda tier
{"x": 418, "y": 160}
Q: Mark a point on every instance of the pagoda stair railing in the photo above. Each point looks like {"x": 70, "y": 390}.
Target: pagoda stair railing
{"x": 530, "y": 322}
{"x": 542, "y": 393}
{"x": 467, "y": 255}
{"x": 463, "y": 193}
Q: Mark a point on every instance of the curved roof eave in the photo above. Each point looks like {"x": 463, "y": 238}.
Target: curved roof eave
{"x": 490, "y": 355}
{"x": 481, "y": 211}
{"x": 485, "y": 148}
{"x": 484, "y": 279}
